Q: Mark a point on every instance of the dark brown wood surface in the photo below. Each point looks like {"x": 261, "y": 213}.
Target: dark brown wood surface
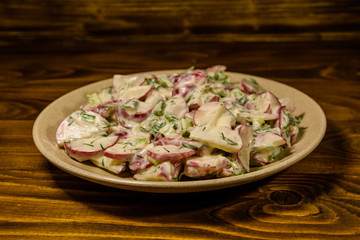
{"x": 317, "y": 198}
{"x": 69, "y": 22}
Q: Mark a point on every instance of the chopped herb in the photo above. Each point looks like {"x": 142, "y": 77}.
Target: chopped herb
{"x": 87, "y": 117}
{"x": 157, "y": 126}
{"x": 71, "y": 120}
{"x": 254, "y": 81}
{"x": 294, "y": 121}
{"x": 186, "y": 134}
{"x": 243, "y": 100}
{"x": 110, "y": 90}
{"x": 166, "y": 149}
{"x": 188, "y": 70}
{"x": 188, "y": 145}
{"x": 156, "y": 82}
{"x": 130, "y": 105}
{"x": 141, "y": 140}
{"x": 229, "y": 141}
{"x": 139, "y": 156}
{"x": 88, "y": 144}
{"x": 142, "y": 128}
{"x": 159, "y": 108}
{"x": 170, "y": 118}
{"x": 102, "y": 147}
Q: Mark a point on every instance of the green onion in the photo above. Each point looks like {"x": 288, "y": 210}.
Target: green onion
{"x": 243, "y": 100}
{"x": 130, "y": 105}
{"x": 88, "y": 118}
{"x": 229, "y": 141}
{"x": 88, "y": 144}
{"x": 188, "y": 145}
{"x": 170, "y": 118}
{"x": 71, "y": 120}
{"x": 159, "y": 108}
{"x": 186, "y": 134}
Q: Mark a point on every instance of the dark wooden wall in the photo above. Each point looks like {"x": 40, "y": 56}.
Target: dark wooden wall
{"x": 70, "y": 22}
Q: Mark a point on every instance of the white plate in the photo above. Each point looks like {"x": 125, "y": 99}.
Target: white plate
{"x": 314, "y": 122}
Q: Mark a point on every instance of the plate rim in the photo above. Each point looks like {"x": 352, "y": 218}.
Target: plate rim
{"x": 182, "y": 186}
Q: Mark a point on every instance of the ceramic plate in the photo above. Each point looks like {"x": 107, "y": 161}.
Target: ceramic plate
{"x": 314, "y": 124}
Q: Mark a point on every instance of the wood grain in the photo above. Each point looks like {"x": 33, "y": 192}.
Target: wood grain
{"x": 317, "y": 198}
{"x": 66, "y": 22}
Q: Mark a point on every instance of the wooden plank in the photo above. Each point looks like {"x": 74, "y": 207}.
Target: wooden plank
{"x": 109, "y": 21}
{"x": 80, "y": 209}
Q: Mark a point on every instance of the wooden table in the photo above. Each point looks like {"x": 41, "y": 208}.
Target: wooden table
{"x": 317, "y": 198}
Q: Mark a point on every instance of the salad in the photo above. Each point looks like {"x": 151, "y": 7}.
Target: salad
{"x": 169, "y": 127}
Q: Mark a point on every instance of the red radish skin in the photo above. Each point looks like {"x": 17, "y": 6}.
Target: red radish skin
{"x": 81, "y": 152}
{"x": 205, "y": 165}
{"x": 136, "y": 93}
{"x": 216, "y": 68}
{"x": 124, "y": 150}
{"x": 177, "y": 142}
{"x": 139, "y": 162}
{"x": 136, "y": 117}
{"x": 125, "y": 156}
{"x": 169, "y": 153}
{"x": 249, "y": 88}
{"x": 166, "y": 171}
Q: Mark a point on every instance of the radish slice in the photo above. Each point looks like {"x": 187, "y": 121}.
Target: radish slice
{"x": 187, "y": 81}
{"x": 139, "y": 111}
{"x": 243, "y": 156}
{"x": 187, "y": 143}
{"x": 138, "y": 92}
{"x": 139, "y": 162}
{"x": 197, "y": 98}
{"x": 223, "y": 138}
{"x": 273, "y": 103}
{"x": 209, "y": 113}
{"x": 166, "y": 171}
{"x": 105, "y": 110}
{"x": 88, "y": 148}
{"x": 233, "y": 168}
{"x": 266, "y": 156}
{"x": 216, "y": 68}
{"x": 81, "y": 124}
{"x": 169, "y": 153}
{"x": 226, "y": 120}
{"x": 112, "y": 165}
{"x": 125, "y": 149}
{"x": 250, "y": 86}
{"x": 120, "y": 82}
{"x": 176, "y": 106}
{"x": 205, "y": 165}
{"x": 268, "y": 139}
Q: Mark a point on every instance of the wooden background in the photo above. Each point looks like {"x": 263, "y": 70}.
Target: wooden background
{"x": 48, "y": 48}
{"x": 69, "y": 22}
